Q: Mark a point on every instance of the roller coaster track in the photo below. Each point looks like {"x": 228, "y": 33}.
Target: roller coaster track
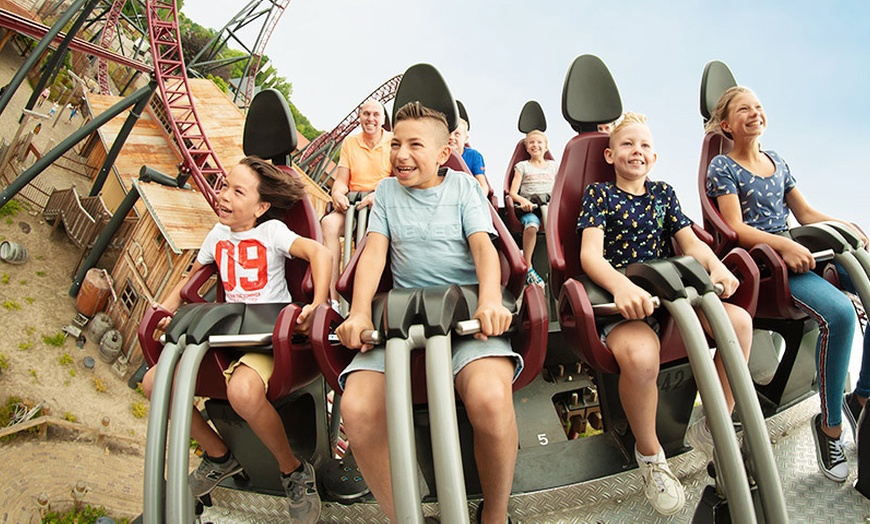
{"x": 200, "y": 160}
{"x": 108, "y": 34}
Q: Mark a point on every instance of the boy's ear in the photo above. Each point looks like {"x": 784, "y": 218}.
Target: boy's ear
{"x": 444, "y": 154}
{"x": 608, "y": 155}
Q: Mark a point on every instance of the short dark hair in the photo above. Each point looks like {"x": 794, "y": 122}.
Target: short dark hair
{"x": 280, "y": 189}
{"x": 417, "y": 111}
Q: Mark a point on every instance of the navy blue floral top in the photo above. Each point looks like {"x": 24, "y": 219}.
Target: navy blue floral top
{"x": 637, "y": 228}
{"x": 762, "y": 199}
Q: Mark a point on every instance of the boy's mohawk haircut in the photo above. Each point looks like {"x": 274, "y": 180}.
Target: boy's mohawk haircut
{"x": 416, "y": 111}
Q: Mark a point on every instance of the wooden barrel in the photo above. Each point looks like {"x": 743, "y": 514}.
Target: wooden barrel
{"x": 12, "y": 252}
{"x": 94, "y": 293}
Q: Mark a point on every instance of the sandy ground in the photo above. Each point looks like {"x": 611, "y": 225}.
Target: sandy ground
{"x": 34, "y": 303}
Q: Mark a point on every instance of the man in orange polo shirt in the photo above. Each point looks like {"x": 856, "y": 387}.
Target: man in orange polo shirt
{"x": 363, "y": 162}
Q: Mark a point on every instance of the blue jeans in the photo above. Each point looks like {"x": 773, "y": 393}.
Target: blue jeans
{"x": 834, "y": 313}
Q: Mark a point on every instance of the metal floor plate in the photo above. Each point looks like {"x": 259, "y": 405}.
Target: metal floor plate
{"x": 810, "y": 497}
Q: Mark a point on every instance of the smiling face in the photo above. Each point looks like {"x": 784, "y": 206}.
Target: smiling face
{"x": 459, "y": 137}
{"x": 631, "y": 152}
{"x": 371, "y": 117}
{"x": 745, "y": 117}
{"x": 418, "y": 148}
{"x": 536, "y": 144}
{"x": 239, "y": 203}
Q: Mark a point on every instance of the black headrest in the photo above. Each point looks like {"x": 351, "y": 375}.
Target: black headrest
{"x": 531, "y": 118}
{"x": 589, "y": 95}
{"x": 463, "y": 114}
{"x": 715, "y": 80}
{"x": 270, "y": 132}
{"x": 388, "y": 126}
{"x": 423, "y": 83}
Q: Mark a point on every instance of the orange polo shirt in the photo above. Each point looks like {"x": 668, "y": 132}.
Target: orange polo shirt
{"x": 367, "y": 166}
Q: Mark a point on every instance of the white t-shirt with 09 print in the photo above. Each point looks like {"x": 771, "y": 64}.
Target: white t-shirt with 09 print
{"x": 250, "y": 263}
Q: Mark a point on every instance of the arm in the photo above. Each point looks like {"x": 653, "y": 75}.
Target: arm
{"x": 173, "y": 300}
{"x": 796, "y": 257}
{"x": 368, "y": 276}
{"x": 691, "y": 245}
{"x": 320, "y": 261}
{"x": 806, "y": 214}
{"x": 494, "y": 318}
{"x": 340, "y": 189}
{"x": 484, "y": 184}
{"x": 516, "y": 181}
{"x": 632, "y": 301}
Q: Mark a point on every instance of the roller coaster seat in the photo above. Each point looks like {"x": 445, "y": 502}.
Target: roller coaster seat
{"x": 529, "y": 339}
{"x": 531, "y": 118}
{"x": 583, "y": 163}
{"x": 269, "y": 134}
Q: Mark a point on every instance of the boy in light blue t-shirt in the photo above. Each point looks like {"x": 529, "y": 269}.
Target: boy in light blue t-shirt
{"x": 436, "y": 230}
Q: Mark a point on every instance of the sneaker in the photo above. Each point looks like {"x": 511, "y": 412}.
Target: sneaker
{"x": 479, "y": 514}
{"x": 852, "y": 409}
{"x": 829, "y": 452}
{"x": 210, "y": 473}
{"x": 661, "y": 487}
{"x": 533, "y": 278}
{"x": 301, "y": 490}
{"x": 699, "y": 437}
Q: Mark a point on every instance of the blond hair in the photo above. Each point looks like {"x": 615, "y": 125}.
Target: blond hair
{"x": 627, "y": 119}
{"x": 720, "y": 111}
{"x": 536, "y": 132}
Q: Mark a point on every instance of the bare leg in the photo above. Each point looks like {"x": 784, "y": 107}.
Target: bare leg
{"x": 364, "y": 410}
{"x": 742, "y": 323}
{"x": 333, "y": 229}
{"x": 200, "y": 430}
{"x": 636, "y": 348}
{"x": 530, "y": 238}
{"x": 247, "y": 396}
{"x": 485, "y": 388}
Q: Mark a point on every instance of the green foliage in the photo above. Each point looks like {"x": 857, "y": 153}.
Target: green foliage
{"x": 65, "y": 359}
{"x": 23, "y": 281}
{"x": 303, "y": 124}
{"x": 5, "y": 278}
{"x": 11, "y": 305}
{"x": 69, "y": 417}
{"x": 29, "y": 300}
{"x": 33, "y": 375}
{"x": 11, "y": 208}
{"x": 220, "y": 82}
{"x": 40, "y": 273}
{"x": 139, "y": 409}
{"x": 55, "y": 340}
{"x": 4, "y": 361}
{"x": 86, "y": 515}
{"x": 24, "y": 346}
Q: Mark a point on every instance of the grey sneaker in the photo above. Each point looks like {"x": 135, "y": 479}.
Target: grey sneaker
{"x": 661, "y": 487}
{"x": 209, "y": 474}
{"x": 829, "y": 453}
{"x": 301, "y": 490}
{"x": 699, "y": 437}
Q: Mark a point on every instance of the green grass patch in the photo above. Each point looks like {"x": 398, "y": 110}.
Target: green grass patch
{"x": 12, "y": 208}
{"x": 139, "y": 409}
{"x": 65, "y": 359}
{"x": 23, "y": 282}
{"x": 55, "y": 340}
{"x": 86, "y": 515}
{"x": 5, "y": 278}
{"x": 4, "y": 361}
{"x": 40, "y": 273}
{"x": 24, "y": 346}
{"x": 11, "y": 305}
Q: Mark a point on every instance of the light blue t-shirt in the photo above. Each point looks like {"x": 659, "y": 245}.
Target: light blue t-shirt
{"x": 429, "y": 228}
{"x": 762, "y": 199}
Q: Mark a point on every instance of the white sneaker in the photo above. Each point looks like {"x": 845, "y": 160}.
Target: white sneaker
{"x": 699, "y": 437}
{"x": 661, "y": 487}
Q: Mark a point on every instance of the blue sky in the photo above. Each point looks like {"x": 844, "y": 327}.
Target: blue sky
{"x": 807, "y": 61}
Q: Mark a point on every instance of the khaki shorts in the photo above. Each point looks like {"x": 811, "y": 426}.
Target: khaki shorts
{"x": 261, "y": 363}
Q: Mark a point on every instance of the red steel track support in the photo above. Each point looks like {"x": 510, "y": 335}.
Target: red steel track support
{"x": 199, "y": 157}
{"x": 109, "y": 30}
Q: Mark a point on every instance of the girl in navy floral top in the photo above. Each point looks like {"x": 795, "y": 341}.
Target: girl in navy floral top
{"x": 755, "y": 192}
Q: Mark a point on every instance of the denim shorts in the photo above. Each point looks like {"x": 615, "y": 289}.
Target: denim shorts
{"x": 530, "y": 220}
{"x": 465, "y": 351}
{"x": 605, "y": 328}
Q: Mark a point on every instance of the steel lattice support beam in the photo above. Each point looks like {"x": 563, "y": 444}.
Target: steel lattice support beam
{"x": 109, "y": 30}
{"x": 199, "y": 156}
